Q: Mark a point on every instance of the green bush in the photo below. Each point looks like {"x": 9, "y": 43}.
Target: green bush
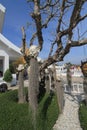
{"x": 12, "y": 68}
{"x": 7, "y": 76}
{"x": 83, "y": 116}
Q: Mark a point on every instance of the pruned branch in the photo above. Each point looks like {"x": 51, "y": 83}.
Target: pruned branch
{"x": 44, "y": 12}
{"x": 36, "y": 15}
{"x": 23, "y": 40}
{"x": 48, "y": 20}
{"x": 78, "y": 43}
{"x": 76, "y": 13}
{"x": 61, "y": 15}
{"x": 49, "y": 3}
{"x": 51, "y": 49}
{"x": 32, "y": 39}
{"x": 61, "y": 52}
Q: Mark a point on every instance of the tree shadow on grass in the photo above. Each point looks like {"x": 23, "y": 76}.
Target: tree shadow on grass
{"x": 43, "y": 115}
{"x": 47, "y": 104}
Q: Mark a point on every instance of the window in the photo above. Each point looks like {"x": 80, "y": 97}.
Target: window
{"x": 1, "y": 67}
{"x": 75, "y": 87}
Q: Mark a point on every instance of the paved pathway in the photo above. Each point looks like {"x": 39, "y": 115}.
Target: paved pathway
{"x": 69, "y": 119}
{"x": 26, "y": 84}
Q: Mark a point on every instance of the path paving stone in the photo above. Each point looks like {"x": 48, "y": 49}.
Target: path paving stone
{"x": 69, "y": 119}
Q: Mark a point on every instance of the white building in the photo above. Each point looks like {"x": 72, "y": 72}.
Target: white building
{"x": 77, "y": 79}
{"x": 8, "y": 51}
{"x": 61, "y": 70}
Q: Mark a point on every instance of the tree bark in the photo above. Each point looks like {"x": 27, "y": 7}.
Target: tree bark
{"x": 33, "y": 88}
{"x": 69, "y": 78}
{"x": 33, "y": 84}
{"x": 47, "y": 83}
{"x": 21, "y": 96}
{"x": 85, "y": 88}
{"x": 60, "y": 95}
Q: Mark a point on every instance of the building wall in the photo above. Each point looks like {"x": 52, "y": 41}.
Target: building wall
{"x": 2, "y": 13}
{"x": 8, "y": 51}
{"x": 5, "y": 57}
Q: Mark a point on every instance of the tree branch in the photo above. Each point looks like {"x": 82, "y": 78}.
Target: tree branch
{"x": 32, "y": 39}
{"x": 76, "y": 13}
{"x": 36, "y": 15}
{"x": 49, "y": 4}
{"x": 61, "y": 52}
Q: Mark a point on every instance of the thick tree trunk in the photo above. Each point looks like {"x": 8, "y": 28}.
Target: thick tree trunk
{"x": 33, "y": 89}
{"x": 21, "y": 96}
{"x": 33, "y": 84}
{"x": 85, "y": 88}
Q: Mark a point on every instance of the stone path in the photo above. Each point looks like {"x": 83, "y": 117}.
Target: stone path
{"x": 26, "y": 84}
{"x": 69, "y": 119}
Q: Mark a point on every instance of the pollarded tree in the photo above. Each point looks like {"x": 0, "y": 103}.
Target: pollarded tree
{"x": 62, "y": 18}
{"x": 65, "y": 17}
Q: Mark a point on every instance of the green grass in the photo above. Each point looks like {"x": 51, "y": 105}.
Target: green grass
{"x": 48, "y": 112}
{"x": 83, "y": 116}
{"x": 14, "y": 116}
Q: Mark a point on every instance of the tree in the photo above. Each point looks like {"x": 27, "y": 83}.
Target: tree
{"x": 33, "y": 75}
{"x": 68, "y": 15}
{"x": 12, "y": 68}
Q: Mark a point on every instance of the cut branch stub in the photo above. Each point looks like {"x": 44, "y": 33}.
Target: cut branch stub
{"x": 20, "y": 67}
{"x": 84, "y": 68}
{"x": 34, "y": 51}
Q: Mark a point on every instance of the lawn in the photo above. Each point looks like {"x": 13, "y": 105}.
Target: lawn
{"x": 83, "y": 116}
{"x": 14, "y": 116}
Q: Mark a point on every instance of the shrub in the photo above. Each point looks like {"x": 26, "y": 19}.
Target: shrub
{"x": 12, "y": 68}
{"x": 7, "y": 76}
{"x": 83, "y": 116}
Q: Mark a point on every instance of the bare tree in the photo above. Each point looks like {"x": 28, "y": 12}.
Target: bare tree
{"x": 33, "y": 74}
{"x": 65, "y": 16}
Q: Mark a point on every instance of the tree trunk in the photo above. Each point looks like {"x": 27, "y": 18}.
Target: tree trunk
{"x": 85, "y": 88}
{"x": 59, "y": 90}
{"x": 69, "y": 78}
{"x": 33, "y": 89}
{"x": 60, "y": 95}
{"x": 47, "y": 83}
{"x": 21, "y": 96}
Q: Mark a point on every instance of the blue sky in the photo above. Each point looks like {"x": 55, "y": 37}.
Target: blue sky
{"x": 17, "y": 15}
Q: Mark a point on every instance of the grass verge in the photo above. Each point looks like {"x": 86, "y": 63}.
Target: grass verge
{"x": 83, "y": 116}
{"x": 14, "y": 116}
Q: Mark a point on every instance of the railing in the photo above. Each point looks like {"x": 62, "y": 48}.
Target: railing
{"x": 75, "y": 88}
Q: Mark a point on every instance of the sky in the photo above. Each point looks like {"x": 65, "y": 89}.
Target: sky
{"x": 17, "y": 15}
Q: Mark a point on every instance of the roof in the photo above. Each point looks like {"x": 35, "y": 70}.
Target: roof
{"x": 2, "y": 15}
{"x": 9, "y": 44}
{"x": 2, "y": 8}
{"x": 73, "y": 79}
